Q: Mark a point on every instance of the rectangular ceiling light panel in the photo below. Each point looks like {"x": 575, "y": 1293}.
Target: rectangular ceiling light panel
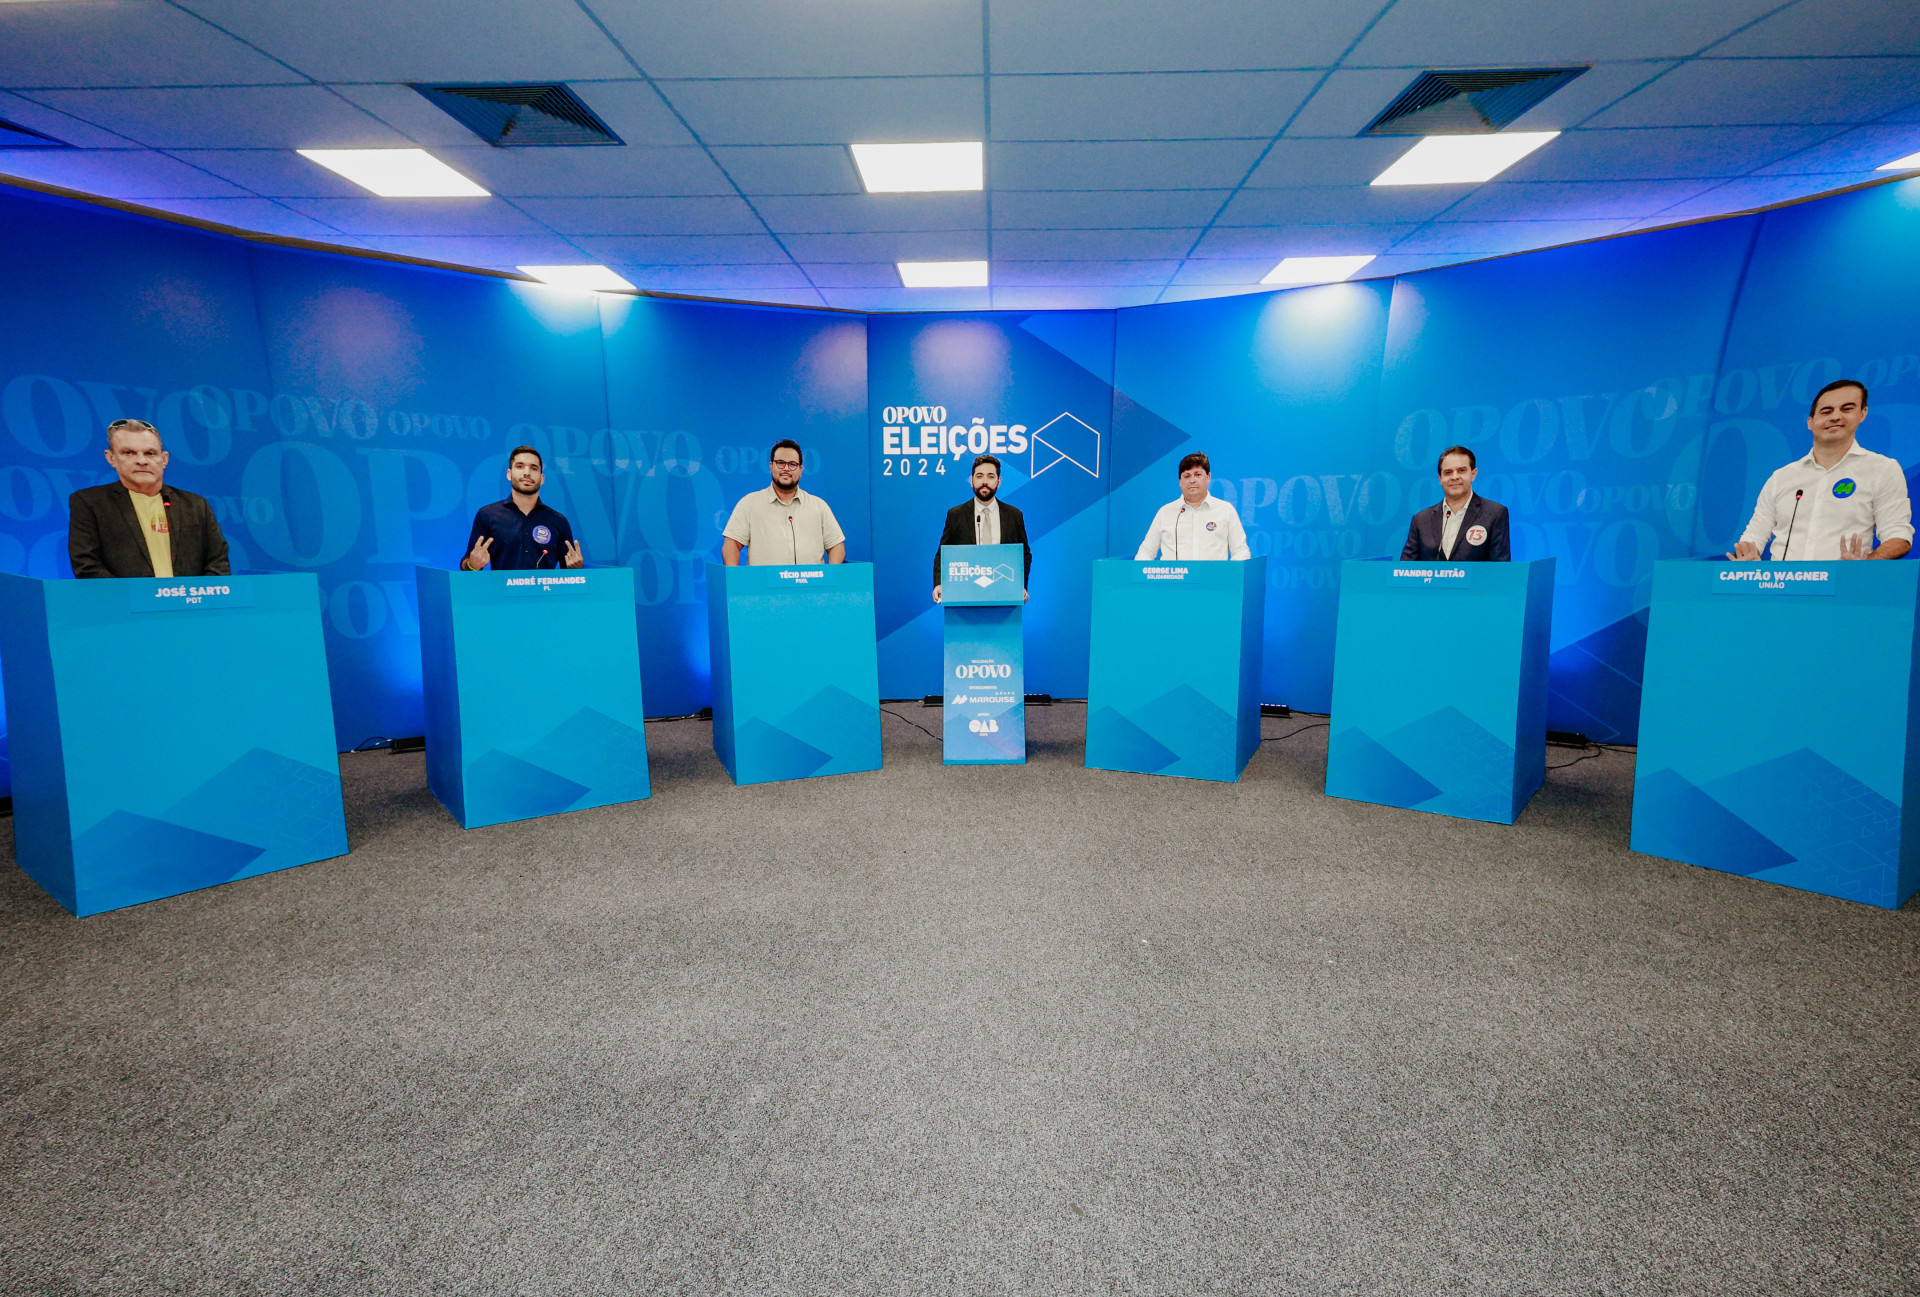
{"x": 1461, "y": 159}
{"x": 1315, "y": 270}
{"x": 920, "y": 168}
{"x": 943, "y": 274}
{"x": 1909, "y": 163}
{"x": 396, "y": 173}
{"x": 590, "y": 278}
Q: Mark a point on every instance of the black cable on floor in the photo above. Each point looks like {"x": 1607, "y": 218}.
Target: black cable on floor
{"x": 1278, "y": 738}
{"x": 1599, "y": 749}
{"x": 916, "y": 724}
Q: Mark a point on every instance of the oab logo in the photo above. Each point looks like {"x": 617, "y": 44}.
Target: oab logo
{"x": 988, "y": 726}
{"x": 1843, "y": 488}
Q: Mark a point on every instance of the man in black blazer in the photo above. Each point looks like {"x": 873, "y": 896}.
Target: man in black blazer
{"x": 138, "y": 526}
{"x": 1463, "y": 527}
{"x": 983, "y": 520}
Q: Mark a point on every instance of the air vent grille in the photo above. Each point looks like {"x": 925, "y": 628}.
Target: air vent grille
{"x": 1470, "y": 102}
{"x": 522, "y": 116}
{"x": 22, "y": 137}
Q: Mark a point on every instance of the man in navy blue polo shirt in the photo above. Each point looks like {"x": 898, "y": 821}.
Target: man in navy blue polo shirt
{"x": 520, "y": 532}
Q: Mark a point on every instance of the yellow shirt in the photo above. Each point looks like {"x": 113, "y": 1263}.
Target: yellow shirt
{"x": 152, "y": 512}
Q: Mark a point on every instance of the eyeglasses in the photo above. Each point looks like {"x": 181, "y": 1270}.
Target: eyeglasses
{"x": 786, "y": 463}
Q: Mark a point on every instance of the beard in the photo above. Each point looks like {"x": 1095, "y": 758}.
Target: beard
{"x": 518, "y": 489}
{"x": 984, "y": 493}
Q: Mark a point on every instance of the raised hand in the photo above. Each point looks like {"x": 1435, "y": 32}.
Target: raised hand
{"x": 480, "y": 555}
{"x": 936, "y": 594}
{"x": 1745, "y": 552}
{"x": 572, "y": 557}
{"x": 1855, "y": 547}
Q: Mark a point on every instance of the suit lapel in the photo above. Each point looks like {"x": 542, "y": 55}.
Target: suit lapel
{"x": 122, "y": 509}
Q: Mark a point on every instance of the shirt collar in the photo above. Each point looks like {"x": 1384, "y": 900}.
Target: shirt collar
{"x": 1450, "y": 511}
{"x": 1182, "y": 502}
{"x": 1855, "y": 449}
{"x": 772, "y": 497}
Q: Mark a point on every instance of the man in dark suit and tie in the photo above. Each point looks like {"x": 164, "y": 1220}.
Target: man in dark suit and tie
{"x": 137, "y": 526}
{"x": 983, "y": 520}
{"x": 1463, "y": 527}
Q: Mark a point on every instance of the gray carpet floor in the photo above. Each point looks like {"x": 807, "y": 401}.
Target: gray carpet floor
{"x": 1038, "y": 1030}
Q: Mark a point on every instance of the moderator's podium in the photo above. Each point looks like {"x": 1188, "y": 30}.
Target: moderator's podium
{"x": 1440, "y": 686}
{"x": 532, "y": 684}
{"x": 1173, "y": 672}
{"x": 1778, "y": 725}
{"x": 796, "y": 670}
{"x": 167, "y": 734}
{"x": 984, "y": 717}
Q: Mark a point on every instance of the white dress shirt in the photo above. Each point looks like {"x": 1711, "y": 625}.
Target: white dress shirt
{"x": 1863, "y": 494}
{"x": 1450, "y": 524}
{"x": 1208, "y": 530}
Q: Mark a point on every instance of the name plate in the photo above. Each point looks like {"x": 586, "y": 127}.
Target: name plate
{"x": 546, "y": 583}
{"x": 1166, "y": 572}
{"x": 197, "y": 592}
{"x": 1750, "y": 579}
{"x": 1447, "y": 575}
{"x": 801, "y": 575}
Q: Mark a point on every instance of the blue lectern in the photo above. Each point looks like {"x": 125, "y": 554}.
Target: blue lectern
{"x": 796, "y": 670}
{"x": 1778, "y": 725}
{"x": 167, "y": 734}
{"x": 985, "y": 712}
{"x": 1440, "y": 686}
{"x": 532, "y": 683}
{"x": 1173, "y": 672}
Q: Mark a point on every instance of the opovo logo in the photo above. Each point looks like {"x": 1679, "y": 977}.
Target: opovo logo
{"x": 983, "y": 671}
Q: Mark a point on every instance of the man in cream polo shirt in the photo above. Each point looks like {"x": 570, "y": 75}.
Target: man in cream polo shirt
{"x": 783, "y": 524}
{"x": 1836, "y": 501}
{"x": 1196, "y": 526}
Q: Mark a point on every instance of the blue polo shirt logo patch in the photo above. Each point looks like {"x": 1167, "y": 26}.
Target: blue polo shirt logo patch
{"x": 1843, "y": 488}
{"x": 543, "y": 534}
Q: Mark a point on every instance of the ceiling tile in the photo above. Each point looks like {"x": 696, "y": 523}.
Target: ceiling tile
{"x": 860, "y": 213}
{"x": 715, "y": 280}
{"x": 1865, "y": 148}
{"x": 1747, "y": 194}
{"x": 910, "y": 299}
{"x": 116, "y": 173}
{"x": 777, "y": 297}
{"x": 594, "y": 171}
{"x": 1106, "y": 209}
{"x": 260, "y": 215}
{"x": 641, "y": 216}
{"x": 1832, "y": 27}
{"x": 683, "y": 249}
{"x": 1496, "y": 33}
{"x": 907, "y": 245}
{"x": 1224, "y": 270}
{"x": 271, "y": 173}
{"x": 1147, "y": 106}
{"x": 408, "y": 112}
{"x": 291, "y": 117}
{"x": 420, "y": 216}
{"x": 1761, "y": 92}
{"x": 1351, "y": 205}
{"x": 1199, "y": 35}
{"x": 1572, "y": 104}
{"x": 799, "y": 38}
{"x": 1301, "y": 241}
{"x": 62, "y": 126}
{"x": 128, "y": 43}
{"x": 853, "y": 274}
{"x": 489, "y": 252}
{"x": 865, "y": 110}
{"x": 1151, "y": 164}
{"x": 1092, "y": 245}
{"x": 635, "y": 111}
{"x": 1201, "y": 294}
{"x": 1055, "y": 274}
{"x": 791, "y": 169}
{"x": 1067, "y": 298}
{"x": 424, "y": 40}
{"x": 1578, "y": 200}
{"x": 1290, "y": 162}
{"x": 1489, "y": 238}
{"x": 1677, "y": 153}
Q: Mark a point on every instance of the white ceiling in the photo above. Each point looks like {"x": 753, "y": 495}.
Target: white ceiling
{"x": 1137, "y": 151}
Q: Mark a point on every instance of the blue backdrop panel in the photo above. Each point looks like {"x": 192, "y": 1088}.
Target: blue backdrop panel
{"x": 1440, "y": 686}
{"x": 397, "y": 393}
{"x": 111, "y": 316}
{"x": 1739, "y": 769}
{"x": 533, "y": 701}
{"x": 698, "y": 394}
{"x": 1035, "y": 391}
{"x": 224, "y": 767}
{"x": 795, "y": 682}
{"x": 1280, "y": 392}
{"x": 985, "y": 716}
{"x": 1791, "y": 335}
{"x": 1174, "y": 669}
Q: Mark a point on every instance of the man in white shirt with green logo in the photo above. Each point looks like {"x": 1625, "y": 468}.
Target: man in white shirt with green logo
{"x": 1834, "y": 502}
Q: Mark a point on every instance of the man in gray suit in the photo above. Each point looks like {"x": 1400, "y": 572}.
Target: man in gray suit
{"x": 138, "y": 526}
